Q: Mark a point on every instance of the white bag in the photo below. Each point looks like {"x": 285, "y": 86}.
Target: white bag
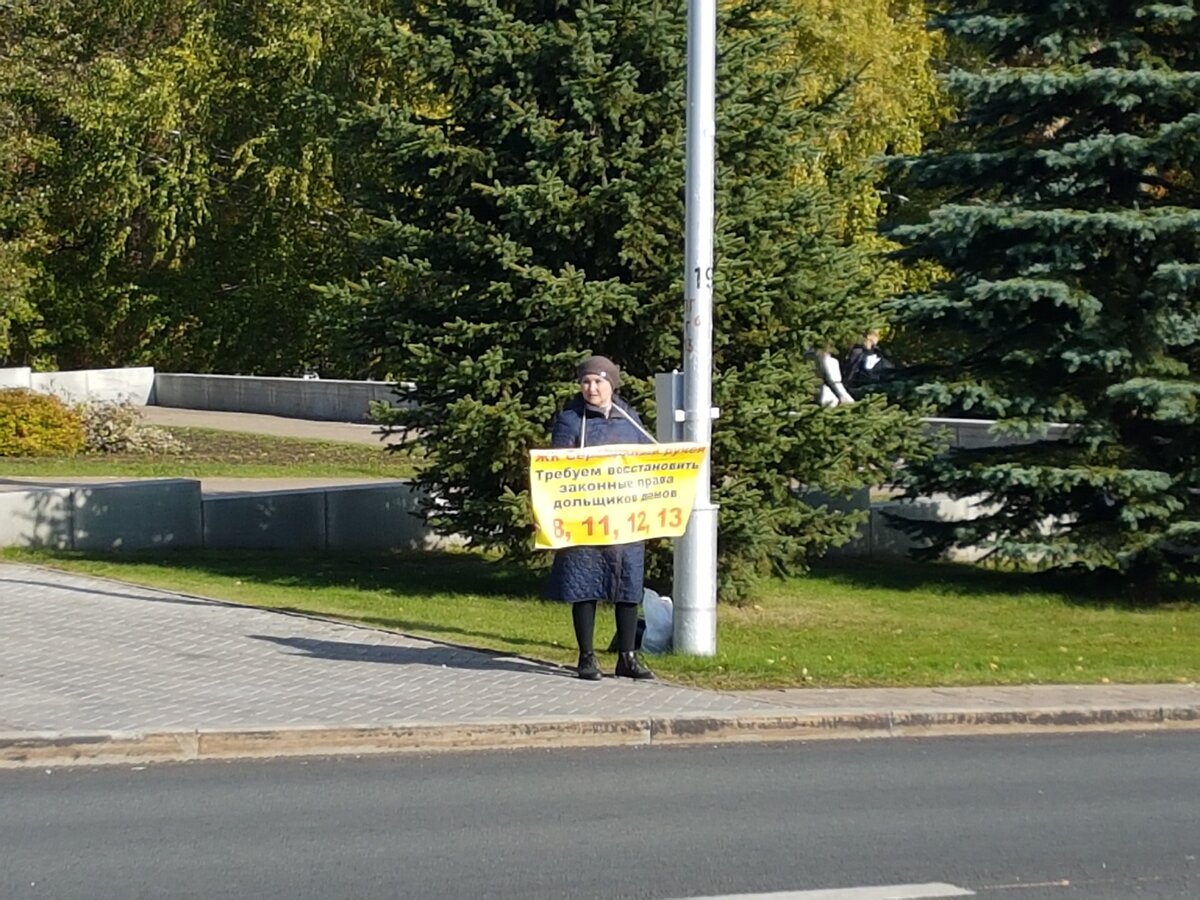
{"x": 660, "y": 616}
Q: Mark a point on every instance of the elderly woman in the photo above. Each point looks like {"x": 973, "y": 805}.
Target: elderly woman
{"x": 583, "y": 576}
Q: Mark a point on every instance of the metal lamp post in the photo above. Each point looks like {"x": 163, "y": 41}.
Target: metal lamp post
{"x": 695, "y": 576}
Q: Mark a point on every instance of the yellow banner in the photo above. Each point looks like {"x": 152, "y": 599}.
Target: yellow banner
{"x": 612, "y": 494}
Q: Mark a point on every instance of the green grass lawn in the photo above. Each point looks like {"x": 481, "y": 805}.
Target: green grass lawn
{"x": 874, "y": 623}
{"x": 212, "y": 453}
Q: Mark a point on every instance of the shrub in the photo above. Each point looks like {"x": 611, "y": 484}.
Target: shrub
{"x": 117, "y": 427}
{"x": 33, "y": 424}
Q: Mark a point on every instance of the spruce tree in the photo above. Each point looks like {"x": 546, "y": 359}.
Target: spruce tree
{"x": 1069, "y": 237}
{"x": 529, "y": 205}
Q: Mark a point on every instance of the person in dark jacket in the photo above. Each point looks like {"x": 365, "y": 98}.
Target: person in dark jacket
{"x": 866, "y": 363}
{"x": 586, "y": 575}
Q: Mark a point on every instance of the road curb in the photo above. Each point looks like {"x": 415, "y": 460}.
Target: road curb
{"x": 806, "y": 727}
{"x": 22, "y": 750}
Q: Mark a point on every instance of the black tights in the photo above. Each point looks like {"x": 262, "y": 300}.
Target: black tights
{"x": 583, "y": 614}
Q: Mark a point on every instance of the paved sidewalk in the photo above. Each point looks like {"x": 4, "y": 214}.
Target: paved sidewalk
{"x": 101, "y": 671}
{"x": 255, "y": 423}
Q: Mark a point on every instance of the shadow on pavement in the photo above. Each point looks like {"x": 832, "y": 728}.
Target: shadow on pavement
{"x": 448, "y": 657}
{"x": 92, "y": 591}
{"x": 397, "y": 576}
{"x": 426, "y": 629}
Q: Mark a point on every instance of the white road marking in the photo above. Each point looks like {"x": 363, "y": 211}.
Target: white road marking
{"x": 878, "y": 892}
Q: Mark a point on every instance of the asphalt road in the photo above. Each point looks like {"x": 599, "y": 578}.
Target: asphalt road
{"x": 1086, "y": 815}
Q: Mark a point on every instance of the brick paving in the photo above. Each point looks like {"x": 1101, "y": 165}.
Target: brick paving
{"x": 93, "y": 670}
{"x": 80, "y": 654}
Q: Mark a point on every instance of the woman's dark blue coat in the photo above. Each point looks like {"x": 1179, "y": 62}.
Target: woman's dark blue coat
{"x": 614, "y": 572}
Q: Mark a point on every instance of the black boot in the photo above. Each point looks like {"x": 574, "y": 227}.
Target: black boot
{"x": 589, "y": 668}
{"x": 629, "y": 666}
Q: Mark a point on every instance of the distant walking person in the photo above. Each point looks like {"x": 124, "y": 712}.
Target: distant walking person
{"x": 832, "y": 391}
{"x": 586, "y": 575}
{"x": 866, "y": 362}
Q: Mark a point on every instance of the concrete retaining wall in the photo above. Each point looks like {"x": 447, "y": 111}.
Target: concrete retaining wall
{"x": 37, "y": 518}
{"x": 157, "y": 513}
{"x": 150, "y": 514}
{"x": 141, "y": 515}
{"x": 321, "y": 399}
{"x": 878, "y": 537}
{"x": 971, "y": 433}
{"x": 367, "y": 517}
{"x": 86, "y": 385}
{"x": 20, "y": 377}
{"x": 287, "y": 520}
{"x": 116, "y": 515}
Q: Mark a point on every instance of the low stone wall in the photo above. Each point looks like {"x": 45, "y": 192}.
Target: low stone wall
{"x": 878, "y": 537}
{"x": 972, "y": 433}
{"x": 148, "y": 514}
{"x": 37, "y": 518}
{"x": 86, "y": 385}
{"x": 113, "y": 515}
{"x": 19, "y": 377}
{"x": 320, "y": 399}
{"x": 367, "y": 517}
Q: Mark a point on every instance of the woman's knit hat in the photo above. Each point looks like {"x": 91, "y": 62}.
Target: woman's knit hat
{"x": 602, "y": 366}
